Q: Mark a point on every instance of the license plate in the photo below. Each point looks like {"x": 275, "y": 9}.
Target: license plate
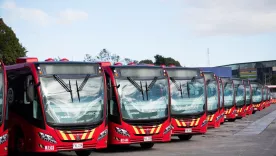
{"x": 255, "y": 108}
{"x": 188, "y": 130}
{"x": 224, "y": 116}
{"x": 147, "y": 138}
{"x": 77, "y": 145}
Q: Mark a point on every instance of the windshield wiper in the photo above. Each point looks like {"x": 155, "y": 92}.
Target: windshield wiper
{"x": 82, "y": 85}
{"x": 136, "y": 85}
{"x": 150, "y": 86}
{"x": 64, "y": 85}
{"x": 179, "y": 88}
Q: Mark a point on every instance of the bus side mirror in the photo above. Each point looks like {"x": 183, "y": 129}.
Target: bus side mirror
{"x": 29, "y": 89}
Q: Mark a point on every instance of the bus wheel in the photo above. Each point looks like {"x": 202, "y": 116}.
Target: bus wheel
{"x": 254, "y": 112}
{"x": 83, "y": 153}
{"x": 185, "y": 137}
{"x": 147, "y": 145}
{"x": 232, "y": 120}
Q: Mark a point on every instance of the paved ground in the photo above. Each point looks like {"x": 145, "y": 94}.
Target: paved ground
{"x": 231, "y": 139}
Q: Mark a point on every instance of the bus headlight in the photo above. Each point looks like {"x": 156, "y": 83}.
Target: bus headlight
{"x": 122, "y": 131}
{"x": 47, "y": 137}
{"x": 167, "y": 129}
{"x": 3, "y": 138}
{"x": 102, "y": 134}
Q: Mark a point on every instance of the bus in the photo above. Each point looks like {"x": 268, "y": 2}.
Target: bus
{"x": 272, "y": 90}
{"x": 229, "y": 99}
{"x": 240, "y": 98}
{"x": 56, "y": 106}
{"x": 213, "y": 101}
{"x": 249, "y": 105}
{"x": 188, "y": 102}
{"x": 257, "y": 96}
{"x": 221, "y": 93}
{"x": 138, "y": 104}
{"x": 3, "y": 112}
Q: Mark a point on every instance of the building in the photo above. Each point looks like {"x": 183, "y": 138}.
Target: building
{"x": 261, "y": 71}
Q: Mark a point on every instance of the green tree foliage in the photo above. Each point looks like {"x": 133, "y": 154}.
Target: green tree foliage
{"x": 10, "y": 48}
{"x": 146, "y": 61}
{"x": 161, "y": 60}
{"x": 105, "y": 55}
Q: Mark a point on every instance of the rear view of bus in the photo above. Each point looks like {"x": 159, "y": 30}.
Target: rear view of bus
{"x": 229, "y": 99}
{"x": 240, "y": 96}
{"x": 213, "y": 102}
{"x": 249, "y": 105}
{"x": 139, "y": 105}
{"x": 257, "y": 96}
{"x": 188, "y": 102}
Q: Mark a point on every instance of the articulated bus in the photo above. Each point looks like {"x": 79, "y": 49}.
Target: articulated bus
{"x": 213, "y": 101}
{"x": 56, "y": 106}
{"x": 228, "y": 99}
{"x": 240, "y": 98}
{"x": 221, "y": 93}
{"x": 257, "y": 96}
{"x": 3, "y": 112}
{"x": 249, "y": 105}
{"x": 138, "y": 104}
{"x": 188, "y": 102}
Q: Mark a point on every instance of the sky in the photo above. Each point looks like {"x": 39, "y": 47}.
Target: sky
{"x": 235, "y": 31}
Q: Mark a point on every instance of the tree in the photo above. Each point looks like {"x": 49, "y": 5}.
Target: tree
{"x": 10, "y": 48}
{"x": 146, "y": 61}
{"x": 160, "y": 60}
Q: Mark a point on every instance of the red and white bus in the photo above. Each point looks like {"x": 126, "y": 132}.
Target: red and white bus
{"x": 213, "y": 99}
{"x": 56, "y": 106}
{"x": 229, "y": 99}
{"x": 240, "y": 98}
{"x": 188, "y": 102}
{"x": 249, "y": 105}
{"x": 138, "y": 104}
{"x": 221, "y": 93}
{"x": 257, "y": 97}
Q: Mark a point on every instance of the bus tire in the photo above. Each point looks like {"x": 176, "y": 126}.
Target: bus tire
{"x": 254, "y": 112}
{"x": 185, "y": 137}
{"x": 83, "y": 153}
{"x": 147, "y": 145}
{"x": 232, "y": 120}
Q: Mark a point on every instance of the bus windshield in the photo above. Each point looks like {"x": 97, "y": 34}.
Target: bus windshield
{"x": 221, "y": 94}
{"x": 212, "y": 96}
{"x": 1, "y": 96}
{"x": 240, "y": 93}
{"x": 73, "y": 98}
{"x": 264, "y": 95}
{"x": 188, "y": 96}
{"x": 248, "y": 95}
{"x": 257, "y": 95}
{"x": 228, "y": 95}
{"x": 142, "y": 98}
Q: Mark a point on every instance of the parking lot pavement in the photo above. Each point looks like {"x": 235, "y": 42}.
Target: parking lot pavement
{"x": 216, "y": 142}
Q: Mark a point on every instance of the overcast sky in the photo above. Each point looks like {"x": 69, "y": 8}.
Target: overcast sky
{"x": 233, "y": 30}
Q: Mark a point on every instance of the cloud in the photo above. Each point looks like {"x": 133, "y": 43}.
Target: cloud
{"x": 40, "y": 17}
{"x": 28, "y": 14}
{"x": 69, "y": 16}
{"x": 230, "y": 17}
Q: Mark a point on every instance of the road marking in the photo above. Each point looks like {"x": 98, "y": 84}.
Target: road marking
{"x": 258, "y": 126}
